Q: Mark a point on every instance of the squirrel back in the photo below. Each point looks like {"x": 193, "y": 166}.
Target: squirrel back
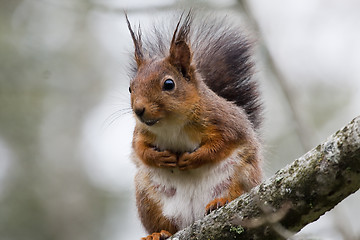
{"x": 220, "y": 53}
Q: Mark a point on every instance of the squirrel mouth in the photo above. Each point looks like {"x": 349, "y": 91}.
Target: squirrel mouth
{"x": 150, "y": 122}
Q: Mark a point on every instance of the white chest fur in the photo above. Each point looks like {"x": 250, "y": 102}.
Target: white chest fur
{"x": 185, "y": 194}
{"x": 173, "y": 137}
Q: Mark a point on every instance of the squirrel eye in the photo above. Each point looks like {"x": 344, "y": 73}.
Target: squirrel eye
{"x": 169, "y": 85}
{"x": 129, "y": 89}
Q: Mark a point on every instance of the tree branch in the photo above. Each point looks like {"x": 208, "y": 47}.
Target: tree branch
{"x": 295, "y": 196}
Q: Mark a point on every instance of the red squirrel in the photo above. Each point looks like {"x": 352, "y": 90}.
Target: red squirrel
{"x": 197, "y": 109}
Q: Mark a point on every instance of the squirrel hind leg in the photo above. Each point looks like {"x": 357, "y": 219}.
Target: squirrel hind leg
{"x": 158, "y": 236}
{"x": 215, "y": 204}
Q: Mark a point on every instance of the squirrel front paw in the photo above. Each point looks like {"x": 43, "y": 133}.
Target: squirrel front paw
{"x": 162, "y": 159}
{"x": 188, "y": 161}
{"x": 215, "y": 204}
{"x": 158, "y": 236}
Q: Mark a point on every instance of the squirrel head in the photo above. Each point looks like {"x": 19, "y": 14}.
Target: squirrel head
{"x": 165, "y": 90}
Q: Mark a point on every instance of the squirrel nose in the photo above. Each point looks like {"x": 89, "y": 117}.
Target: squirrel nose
{"x": 139, "y": 111}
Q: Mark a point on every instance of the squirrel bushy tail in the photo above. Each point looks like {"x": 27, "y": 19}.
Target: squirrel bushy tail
{"x": 221, "y": 54}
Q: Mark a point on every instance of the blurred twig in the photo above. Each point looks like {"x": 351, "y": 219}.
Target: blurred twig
{"x": 303, "y": 129}
{"x": 270, "y": 216}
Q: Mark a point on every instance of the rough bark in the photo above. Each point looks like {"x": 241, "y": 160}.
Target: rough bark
{"x": 295, "y": 196}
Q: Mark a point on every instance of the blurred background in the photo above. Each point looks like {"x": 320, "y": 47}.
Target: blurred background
{"x": 66, "y": 124}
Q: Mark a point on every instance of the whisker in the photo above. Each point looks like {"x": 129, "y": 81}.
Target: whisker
{"x": 110, "y": 120}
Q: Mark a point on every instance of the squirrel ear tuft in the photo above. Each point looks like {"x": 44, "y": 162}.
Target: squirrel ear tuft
{"x": 139, "y": 56}
{"x": 180, "y": 53}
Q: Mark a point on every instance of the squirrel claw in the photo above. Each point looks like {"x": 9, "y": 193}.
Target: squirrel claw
{"x": 215, "y": 204}
{"x": 158, "y": 236}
